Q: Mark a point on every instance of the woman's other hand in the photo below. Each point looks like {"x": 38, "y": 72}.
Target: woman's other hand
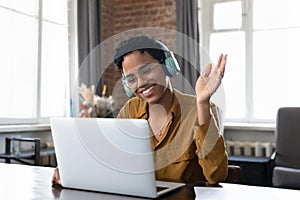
{"x": 56, "y": 177}
{"x": 209, "y": 81}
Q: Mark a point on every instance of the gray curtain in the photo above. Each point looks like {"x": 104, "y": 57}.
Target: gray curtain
{"x": 188, "y": 44}
{"x": 89, "y": 36}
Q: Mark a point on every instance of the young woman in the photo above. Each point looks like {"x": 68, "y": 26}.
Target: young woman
{"x": 186, "y": 143}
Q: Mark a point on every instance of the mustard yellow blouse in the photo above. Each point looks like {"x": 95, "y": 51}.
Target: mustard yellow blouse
{"x": 186, "y": 152}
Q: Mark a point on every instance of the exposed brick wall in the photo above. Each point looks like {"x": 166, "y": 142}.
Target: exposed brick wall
{"x": 123, "y": 15}
{"x": 130, "y": 14}
{"x": 107, "y": 17}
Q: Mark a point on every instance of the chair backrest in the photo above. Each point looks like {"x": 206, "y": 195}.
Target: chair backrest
{"x": 234, "y": 174}
{"x": 287, "y": 136}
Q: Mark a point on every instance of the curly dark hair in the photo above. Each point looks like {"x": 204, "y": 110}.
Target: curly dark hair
{"x": 141, "y": 43}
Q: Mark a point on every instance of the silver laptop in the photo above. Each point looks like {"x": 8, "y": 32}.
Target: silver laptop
{"x": 107, "y": 155}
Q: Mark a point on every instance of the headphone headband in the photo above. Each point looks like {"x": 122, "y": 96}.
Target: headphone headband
{"x": 171, "y": 66}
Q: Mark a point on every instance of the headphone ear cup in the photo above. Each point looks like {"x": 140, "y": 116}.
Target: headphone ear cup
{"x": 172, "y": 65}
{"x": 127, "y": 89}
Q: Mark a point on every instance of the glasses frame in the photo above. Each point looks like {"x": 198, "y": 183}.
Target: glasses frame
{"x": 144, "y": 71}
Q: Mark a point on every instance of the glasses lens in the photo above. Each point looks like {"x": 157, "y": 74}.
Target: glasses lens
{"x": 131, "y": 80}
{"x": 144, "y": 72}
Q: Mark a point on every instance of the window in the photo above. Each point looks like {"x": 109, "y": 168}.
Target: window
{"x": 261, "y": 38}
{"x": 34, "y": 60}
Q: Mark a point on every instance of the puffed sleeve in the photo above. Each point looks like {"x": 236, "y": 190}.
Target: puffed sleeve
{"x": 211, "y": 151}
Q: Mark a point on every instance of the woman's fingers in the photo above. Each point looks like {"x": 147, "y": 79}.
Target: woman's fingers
{"x": 207, "y": 71}
{"x": 221, "y": 64}
{"x": 56, "y": 177}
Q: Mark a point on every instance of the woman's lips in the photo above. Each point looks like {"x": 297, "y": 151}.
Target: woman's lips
{"x": 148, "y": 91}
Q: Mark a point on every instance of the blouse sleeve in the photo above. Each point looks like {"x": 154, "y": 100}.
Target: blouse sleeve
{"x": 211, "y": 151}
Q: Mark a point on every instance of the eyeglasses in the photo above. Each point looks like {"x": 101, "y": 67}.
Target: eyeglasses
{"x": 144, "y": 72}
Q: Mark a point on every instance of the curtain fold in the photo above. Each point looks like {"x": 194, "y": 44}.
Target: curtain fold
{"x": 188, "y": 44}
{"x": 89, "y": 36}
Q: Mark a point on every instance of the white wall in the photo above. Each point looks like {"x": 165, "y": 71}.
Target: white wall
{"x": 264, "y": 133}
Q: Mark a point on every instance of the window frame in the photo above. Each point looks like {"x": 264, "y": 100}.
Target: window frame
{"x": 246, "y": 27}
{"x": 206, "y": 12}
{"x": 72, "y": 55}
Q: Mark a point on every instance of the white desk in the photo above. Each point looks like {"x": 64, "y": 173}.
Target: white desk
{"x": 229, "y": 191}
{"x": 34, "y": 183}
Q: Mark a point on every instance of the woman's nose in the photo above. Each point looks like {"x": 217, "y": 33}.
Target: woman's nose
{"x": 141, "y": 81}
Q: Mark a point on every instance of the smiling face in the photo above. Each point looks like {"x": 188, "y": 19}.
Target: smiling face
{"x": 150, "y": 77}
